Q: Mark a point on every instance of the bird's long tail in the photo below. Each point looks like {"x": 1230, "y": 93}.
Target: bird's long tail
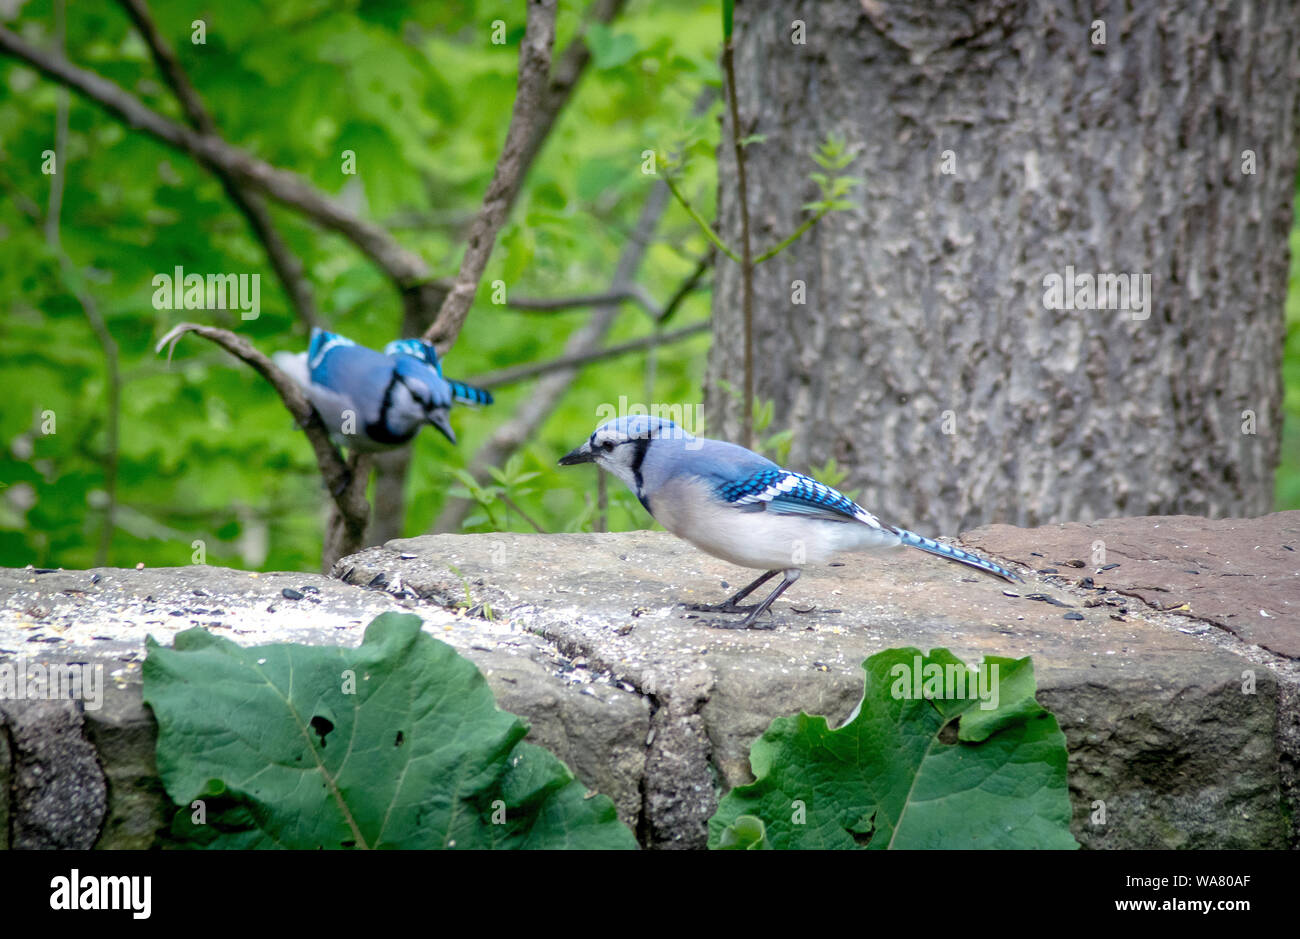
{"x": 468, "y": 394}
{"x": 913, "y": 540}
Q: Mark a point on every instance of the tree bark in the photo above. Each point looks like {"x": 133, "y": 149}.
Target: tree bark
{"x": 929, "y": 296}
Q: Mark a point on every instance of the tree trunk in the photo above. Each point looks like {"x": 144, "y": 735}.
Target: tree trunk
{"x": 999, "y": 144}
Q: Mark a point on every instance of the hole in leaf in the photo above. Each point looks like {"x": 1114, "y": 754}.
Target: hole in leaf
{"x": 948, "y": 735}
{"x": 322, "y": 726}
{"x": 864, "y": 829}
{"x": 401, "y": 739}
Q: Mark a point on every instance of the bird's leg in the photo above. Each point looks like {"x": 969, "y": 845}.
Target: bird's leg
{"x": 730, "y": 605}
{"x": 790, "y": 577}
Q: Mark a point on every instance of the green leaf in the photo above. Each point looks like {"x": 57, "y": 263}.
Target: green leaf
{"x": 899, "y": 774}
{"x": 746, "y": 833}
{"x": 395, "y": 744}
{"x": 608, "y": 49}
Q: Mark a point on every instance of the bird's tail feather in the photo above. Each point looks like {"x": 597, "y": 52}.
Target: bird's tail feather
{"x": 913, "y": 540}
{"x": 468, "y": 394}
{"x": 293, "y": 364}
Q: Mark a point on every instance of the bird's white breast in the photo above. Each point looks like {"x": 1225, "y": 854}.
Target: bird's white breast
{"x": 760, "y": 539}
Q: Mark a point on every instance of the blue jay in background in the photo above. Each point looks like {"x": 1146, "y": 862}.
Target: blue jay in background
{"x": 743, "y": 508}
{"x": 377, "y": 400}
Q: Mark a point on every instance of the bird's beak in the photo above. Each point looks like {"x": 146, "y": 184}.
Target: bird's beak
{"x": 439, "y": 420}
{"x": 578, "y": 455}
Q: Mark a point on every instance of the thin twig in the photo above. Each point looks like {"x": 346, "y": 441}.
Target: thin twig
{"x": 686, "y": 288}
{"x": 746, "y": 249}
{"x": 512, "y": 504}
{"x": 798, "y": 233}
{"x": 602, "y": 503}
{"x": 699, "y": 219}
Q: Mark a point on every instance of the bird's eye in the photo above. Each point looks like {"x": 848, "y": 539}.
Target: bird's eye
{"x": 607, "y": 446}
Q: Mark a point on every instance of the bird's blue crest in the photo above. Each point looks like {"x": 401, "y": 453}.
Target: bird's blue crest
{"x": 638, "y": 426}
{"x": 416, "y": 349}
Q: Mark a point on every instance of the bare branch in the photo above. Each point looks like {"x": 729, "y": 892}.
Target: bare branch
{"x": 534, "y": 77}
{"x": 564, "y": 76}
{"x": 548, "y": 393}
{"x": 165, "y": 58}
{"x": 406, "y": 268}
{"x": 420, "y": 303}
{"x": 345, "y": 481}
{"x": 572, "y": 360}
{"x": 514, "y": 433}
{"x": 286, "y": 264}
{"x": 634, "y": 293}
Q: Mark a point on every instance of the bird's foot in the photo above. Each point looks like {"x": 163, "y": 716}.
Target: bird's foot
{"x": 739, "y": 624}
{"x": 724, "y": 607}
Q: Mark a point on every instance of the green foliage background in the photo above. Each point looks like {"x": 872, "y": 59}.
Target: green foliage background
{"x": 207, "y": 451}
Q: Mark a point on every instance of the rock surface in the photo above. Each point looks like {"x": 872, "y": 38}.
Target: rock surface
{"x": 1183, "y": 727}
{"x": 1240, "y": 574}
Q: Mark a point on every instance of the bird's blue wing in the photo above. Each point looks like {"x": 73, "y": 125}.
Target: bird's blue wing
{"x": 322, "y": 343}
{"x": 339, "y": 364}
{"x": 788, "y": 493}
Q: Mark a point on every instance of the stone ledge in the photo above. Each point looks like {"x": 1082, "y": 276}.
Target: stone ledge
{"x": 652, "y": 707}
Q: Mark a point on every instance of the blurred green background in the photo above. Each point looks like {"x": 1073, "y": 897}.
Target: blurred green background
{"x": 207, "y": 452}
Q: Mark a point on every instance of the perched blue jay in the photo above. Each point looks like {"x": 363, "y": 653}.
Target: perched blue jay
{"x": 376, "y": 400}
{"x": 743, "y": 508}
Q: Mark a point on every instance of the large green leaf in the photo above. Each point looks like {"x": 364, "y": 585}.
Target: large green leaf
{"x": 395, "y": 744}
{"x": 916, "y": 766}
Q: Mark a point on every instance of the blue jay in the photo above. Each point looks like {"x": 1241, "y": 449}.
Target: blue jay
{"x": 376, "y": 400}
{"x": 743, "y": 508}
